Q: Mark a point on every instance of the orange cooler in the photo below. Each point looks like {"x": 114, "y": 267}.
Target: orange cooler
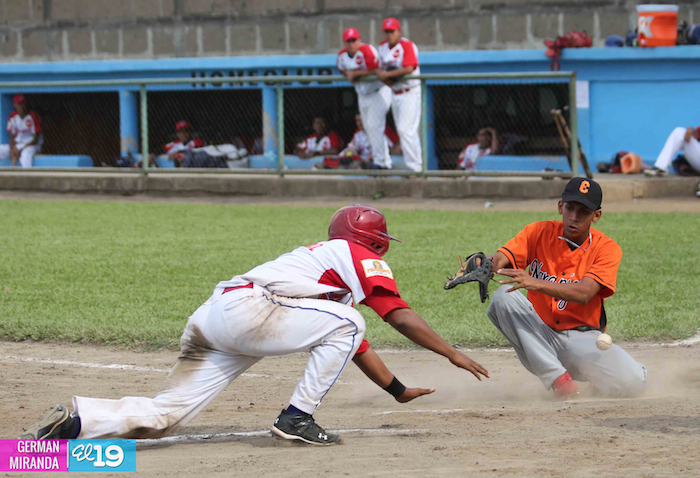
{"x": 657, "y": 25}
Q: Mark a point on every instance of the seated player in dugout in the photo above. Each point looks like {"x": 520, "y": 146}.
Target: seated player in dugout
{"x": 322, "y": 142}
{"x": 176, "y": 149}
{"x": 26, "y": 136}
{"x": 303, "y": 300}
{"x": 487, "y": 143}
{"x": 361, "y": 146}
{"x": 572, "y": 270}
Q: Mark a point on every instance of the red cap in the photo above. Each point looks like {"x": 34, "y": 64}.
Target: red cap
{"x": 391, "y": 24}
{"x": 19, "y": 99}
{"x": 183, "y": 124}
{"x": 350, "y": 34}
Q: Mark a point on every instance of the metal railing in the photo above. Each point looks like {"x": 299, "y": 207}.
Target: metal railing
{"x": 281, "y": 83}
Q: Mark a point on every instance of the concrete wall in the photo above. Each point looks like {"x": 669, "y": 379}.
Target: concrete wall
{"x": 59, "y": 30}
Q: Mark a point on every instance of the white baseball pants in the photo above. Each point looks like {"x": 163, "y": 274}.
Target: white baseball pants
{"x": 406, "y": 108}
{"x": 25, "y": 157}
{"x": 548, "y": 353}
{"x": 373, "y": 109}
{"x": 223, "y": 338}
{"x": 674, "y": 144}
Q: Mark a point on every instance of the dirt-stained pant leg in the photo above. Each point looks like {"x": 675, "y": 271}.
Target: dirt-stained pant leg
{"x": 198, "y": 376}
{"x": 279, "y": 326}
{"x": 222, "y": 339}
{"x": 612, "y": 372}
{"x": 535, "y": 343}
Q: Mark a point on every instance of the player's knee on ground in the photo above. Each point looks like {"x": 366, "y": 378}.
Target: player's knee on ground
{"x": 633, "y": 383}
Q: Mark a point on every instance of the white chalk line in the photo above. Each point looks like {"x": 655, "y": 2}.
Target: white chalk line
{"x": 436, "y": 411}
{"x": 262, "y": 433}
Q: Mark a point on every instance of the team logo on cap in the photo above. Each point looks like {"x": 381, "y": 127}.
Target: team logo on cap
{"x": 584, "y": 187}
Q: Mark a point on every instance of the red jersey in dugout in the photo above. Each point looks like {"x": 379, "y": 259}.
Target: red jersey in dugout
{"x": 550, "y": 258}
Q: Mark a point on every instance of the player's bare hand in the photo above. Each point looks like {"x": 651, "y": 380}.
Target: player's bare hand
{"x": 520, "y": 278}
{"x": 411, "y": 393}
{"x": 462, "y": 361}
{"x": 382, "y": 74}
{"x": 351, "y": 76}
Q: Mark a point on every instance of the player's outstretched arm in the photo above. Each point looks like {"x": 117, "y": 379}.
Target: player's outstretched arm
{"x": 372, "y": 365}
{"x": 413, "y": 327}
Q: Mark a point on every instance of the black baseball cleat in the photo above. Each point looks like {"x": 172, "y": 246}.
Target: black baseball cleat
{"x": 302, "y": 428}
{"x": 56, "y": 424}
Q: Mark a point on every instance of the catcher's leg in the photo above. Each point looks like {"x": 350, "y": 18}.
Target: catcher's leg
{"x": 535, "y": 343}
{"x": 611, "y": 372}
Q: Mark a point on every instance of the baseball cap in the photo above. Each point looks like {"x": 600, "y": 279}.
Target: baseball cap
{"x": 19, "y": 99}
{"x": 391, "y": 24}
{"x": 350, "y": 34}
{"x": 182, "y": 124}
{"x": 585, "y": 191}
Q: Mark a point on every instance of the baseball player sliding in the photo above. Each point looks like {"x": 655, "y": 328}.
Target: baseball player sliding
{"x": 398, "y": 61}
{"x": 359, "y": 59}
{"x": 300, "y": 301}
{"x": 573, "y": 268}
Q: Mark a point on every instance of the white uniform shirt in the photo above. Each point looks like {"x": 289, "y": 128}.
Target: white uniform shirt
{"x": 364, "y": 59}
{"x": 361, "y": 146}
{"x": 335, "y": 270}
{"x": 177, "y": 145}
{"x": 312, "y": 143}
{"x": 23, "y": 129}
{"x": 404, "y": 53}
{"x": 468, "y": 157}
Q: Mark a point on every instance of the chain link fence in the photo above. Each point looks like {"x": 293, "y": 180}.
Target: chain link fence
{"x": 78, "y": 124}
{"x": 463, "y": 120}
{"x": 495, "y": 117}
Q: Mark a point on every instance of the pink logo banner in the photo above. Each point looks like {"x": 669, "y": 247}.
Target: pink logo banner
{"x": 33, "y": 455}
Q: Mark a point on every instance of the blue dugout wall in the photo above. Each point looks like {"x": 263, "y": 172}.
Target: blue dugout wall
{"x": 628, "y": 98}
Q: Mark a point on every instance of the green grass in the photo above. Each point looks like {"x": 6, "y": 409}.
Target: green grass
{"x": 130, "y": 273}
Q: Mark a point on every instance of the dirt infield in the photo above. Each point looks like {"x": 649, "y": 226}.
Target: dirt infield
{"x": 506, "y": 426}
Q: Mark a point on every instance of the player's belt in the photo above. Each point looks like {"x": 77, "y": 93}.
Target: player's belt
{"x": 401, "y": 92}
{"x": 229, "y": 289}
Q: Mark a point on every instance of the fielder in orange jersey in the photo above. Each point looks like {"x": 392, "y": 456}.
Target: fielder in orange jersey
{"x": 572, "y": 269}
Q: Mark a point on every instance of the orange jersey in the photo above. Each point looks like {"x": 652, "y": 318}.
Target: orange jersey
{"x": 549, "y": 258}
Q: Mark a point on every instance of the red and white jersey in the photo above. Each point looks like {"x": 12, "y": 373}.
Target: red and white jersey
{"x": 361, "y": 146}
{"x": 468, "y": 157}
{"x": 364, "y": 59}
{"x": 404, "y": 53}
{"x": 23, "y": 129}
{"x": 312, "y": 143}
{"x": 177, "y": 146}
{"x": 334, "y": 270}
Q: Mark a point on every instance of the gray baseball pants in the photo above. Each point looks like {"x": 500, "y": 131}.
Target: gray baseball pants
{"x": 548, "y": 353}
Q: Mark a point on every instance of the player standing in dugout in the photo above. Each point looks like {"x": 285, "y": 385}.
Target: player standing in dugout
{"x": 572, "y": 270}
{"x": 303, "y": 300}
{"x": 359, "y": 59}
{"x": 398, "y": 61}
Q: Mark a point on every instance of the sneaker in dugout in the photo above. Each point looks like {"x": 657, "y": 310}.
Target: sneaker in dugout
{"x": 655, "y": 172}
{"x": 302, "y": 428}
{"x": 56, "y": 423}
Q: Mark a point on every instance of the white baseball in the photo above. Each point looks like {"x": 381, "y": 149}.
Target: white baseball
{"x": 603, "y": 342}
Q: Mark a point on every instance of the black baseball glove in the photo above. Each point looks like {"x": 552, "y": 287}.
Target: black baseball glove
{"x": 477, "y": 267}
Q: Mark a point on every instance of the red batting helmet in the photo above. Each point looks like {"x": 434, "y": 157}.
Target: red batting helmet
{"x": 363, "y": 225}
